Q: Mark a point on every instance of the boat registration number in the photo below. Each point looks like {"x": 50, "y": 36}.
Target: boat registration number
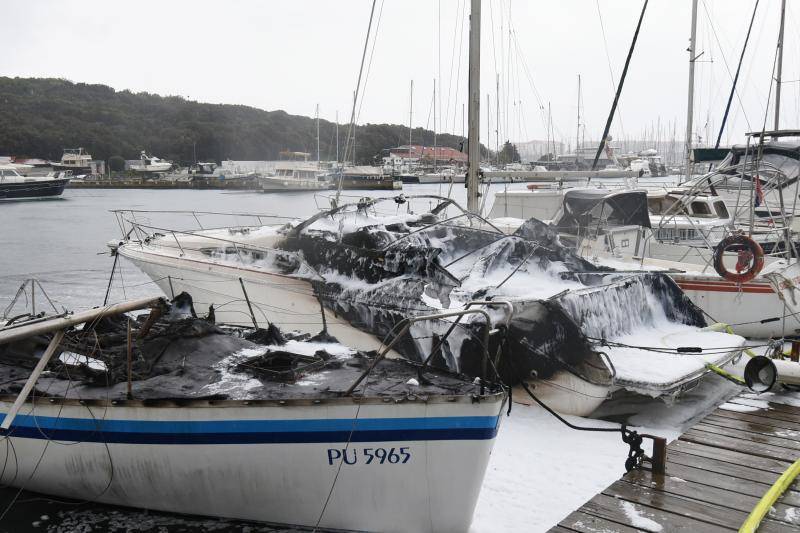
{"x": 369, "y": 456}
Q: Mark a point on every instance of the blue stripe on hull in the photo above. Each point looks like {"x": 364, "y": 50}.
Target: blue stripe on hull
{"x": 255, "y": 431}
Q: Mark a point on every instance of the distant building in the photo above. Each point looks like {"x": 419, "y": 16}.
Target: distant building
{"x": 425, "y": 155}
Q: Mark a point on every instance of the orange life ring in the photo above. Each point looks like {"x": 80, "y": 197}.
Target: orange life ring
{"x": 749, "y": 263}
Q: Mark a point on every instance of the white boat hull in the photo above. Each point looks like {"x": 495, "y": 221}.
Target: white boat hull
{"x": 285, "y": 301}
{"x": 282, "y": 183}
{"x": 441, "y": 178}
{"x": 271, "y": 463}
{"x": 753, "y": 309}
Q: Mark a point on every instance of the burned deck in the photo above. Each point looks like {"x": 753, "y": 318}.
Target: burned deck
{"x": 716, "y": 472}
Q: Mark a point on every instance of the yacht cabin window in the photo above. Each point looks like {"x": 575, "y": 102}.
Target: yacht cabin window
{"x": 722, "y": 210}
{"x": 701, "y": 209}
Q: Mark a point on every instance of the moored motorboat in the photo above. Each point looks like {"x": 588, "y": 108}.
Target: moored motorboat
{"x": 150, "y": 164}
{"x": 290, "y": 178}
{"x": 370, "y": 271}
{"x": 76, "y": 160}
{"x": 14, "y": 186}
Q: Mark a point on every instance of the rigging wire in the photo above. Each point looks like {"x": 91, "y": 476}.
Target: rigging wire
{"x": 369, "y": 63}
{"x": 458, "y": 69}
{"x": 610, "y": 69}
{"x": 734, "y": 78}
{"x": 452, "y": 64}
{"x": 351, "y": 128}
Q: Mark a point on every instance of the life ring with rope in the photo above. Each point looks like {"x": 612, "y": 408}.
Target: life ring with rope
{"x": 749, "y": 262}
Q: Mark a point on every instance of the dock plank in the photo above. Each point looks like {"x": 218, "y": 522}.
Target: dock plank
{"x": 622, "y": 511}
{"x": 721, "y": 415}
{"x": 581, "y": 522}
{"x": 716, "y": 472}
{"x": 768, "y": 464}
{"x": 706, "y": 494}
{"x": 713, "y": 465}
{"x": 681, "y": 473}
{"x": 733, "y": 444}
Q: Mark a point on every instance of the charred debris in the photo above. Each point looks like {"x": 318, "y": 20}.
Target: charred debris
{"x": 178, "y": 356}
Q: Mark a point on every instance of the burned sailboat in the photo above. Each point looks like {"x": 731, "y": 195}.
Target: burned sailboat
{"x": 173, "y": 413}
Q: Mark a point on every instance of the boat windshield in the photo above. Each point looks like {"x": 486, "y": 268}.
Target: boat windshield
{"x": 773, "y": 160}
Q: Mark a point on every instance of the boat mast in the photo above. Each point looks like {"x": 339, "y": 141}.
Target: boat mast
{"x": 355, "y": 96}
{"x": 690, "y": 104}
{"x": 578, "y": 130}
{"x": 473, "y": 139}
{"x": 337, "y": 138}
{"x": 780, "y": 67}
{"x": 488, "y": 132}
{"x": 434, "y": 125}
{"x": 410, "y": 114}
{"x": 549, "y": 131}
{"x": 317, "y": 113}
{"x": 497, "y": 123}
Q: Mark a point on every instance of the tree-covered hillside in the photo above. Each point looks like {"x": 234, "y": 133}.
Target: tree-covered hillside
{"x": 41, "y": 116}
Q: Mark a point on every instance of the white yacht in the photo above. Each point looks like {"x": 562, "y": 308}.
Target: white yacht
{"x": 676, "y": 214}
{"x": 446, "y": 175}
{"x": 15, "y": 186}
{"x": 290, "y": 177}
{"x": 149, "y": 163}
{"x": 76, "y": 160}
{"x": 614, "y": 229}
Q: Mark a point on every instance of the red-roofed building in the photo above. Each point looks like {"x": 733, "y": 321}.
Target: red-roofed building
{"x": 417, "y": 154}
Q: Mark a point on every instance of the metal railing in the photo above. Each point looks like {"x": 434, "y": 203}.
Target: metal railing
{"x": 144, "y": 237}
{"x": 405, "y": 325}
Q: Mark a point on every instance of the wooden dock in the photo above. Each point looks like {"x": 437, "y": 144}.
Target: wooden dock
{"x": 716, "y": 472}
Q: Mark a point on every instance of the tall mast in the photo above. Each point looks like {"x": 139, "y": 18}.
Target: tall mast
{"x": 410, "y": 114}
{"x": 354, "y": 127}
{"x": 497, "y": 122}
{"x": 780, "y": 67}
{"x": 434, "y": 126}
{"x": 337, "y": 137}
{"x": 578, "y": 130}
{"x": 549, "y": 132}
{"x": 690, "y": 105}
{"x": 488, "y": 132}
{"x": 473, "y": 146}
{"x": 317, "y": 113}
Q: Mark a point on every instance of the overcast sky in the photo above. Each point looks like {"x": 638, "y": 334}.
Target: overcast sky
{"x": 295, "y": 54}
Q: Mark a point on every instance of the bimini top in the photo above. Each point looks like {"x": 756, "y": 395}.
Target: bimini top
{"x": 585, "y": 208}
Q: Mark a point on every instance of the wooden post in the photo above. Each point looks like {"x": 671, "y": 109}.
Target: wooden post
{"x": 659, "y": 459}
